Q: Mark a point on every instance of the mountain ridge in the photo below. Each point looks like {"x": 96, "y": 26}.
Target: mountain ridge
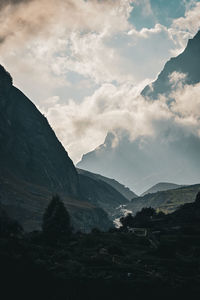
{"x": 165, "y": 157}
{"x": 167, "y": 201}
{"x": 186, "y": 62}
{"x": 122, "y": 189}
{"x": 35, "y": 165}
{"x": 160, "y": 187}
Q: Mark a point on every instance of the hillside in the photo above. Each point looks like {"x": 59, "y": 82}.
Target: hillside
{"x": 119, "y": 263}
{"x": 101, "y": 194}
{"x": 161, "y": 186}
{"x": 166, "y": 201}
{"x": 34, "y": 165}
{"x": 122, "y": 189}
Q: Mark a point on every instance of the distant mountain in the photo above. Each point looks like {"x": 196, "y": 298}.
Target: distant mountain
{"x": 161, "y": 186}
{"x": 34, "y": 165}
{"x": 166, "y": 201}
{"x": 122, "y": 189}
{"x": 140, "y": 167}
{"x": 187, "y": 63}
{"x": 170, "y": 156}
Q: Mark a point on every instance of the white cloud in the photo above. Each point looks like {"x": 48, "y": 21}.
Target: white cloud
{"x": 147, "y": 32}
{"x": 187, "y": 105}
{"x": 179, "y": 32}
{"x": 177, "y": 79}
{"x": 58, "y": 37}
{"x": 190, "y": 22}
{"x": 44, "y": 40}
{"x": 28, "y": 19}
{"x": 82, "y": 127}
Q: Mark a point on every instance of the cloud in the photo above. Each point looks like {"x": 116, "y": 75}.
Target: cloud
{"x": 187, "y": 105}
{"x": 177, "y": 79}
{"x": 81, "y": 127}
{"x": 44, "y": 41}
{"x": 190, "y": 22}
{"x": 147, "y": 32}
{"x": 180, "y": 30}
{"x": 24, "y": 19}
{"x": 56, "y": 38}
{"x": 88, "y": 122}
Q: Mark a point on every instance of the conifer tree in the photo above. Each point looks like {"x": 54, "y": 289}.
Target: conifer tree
{"x": 56, "y": 220}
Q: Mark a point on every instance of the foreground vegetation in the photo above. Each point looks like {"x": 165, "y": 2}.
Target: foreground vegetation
{"x": 118, "y": 264}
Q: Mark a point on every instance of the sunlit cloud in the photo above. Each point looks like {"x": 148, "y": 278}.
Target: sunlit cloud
{"x": 44, "y": 43}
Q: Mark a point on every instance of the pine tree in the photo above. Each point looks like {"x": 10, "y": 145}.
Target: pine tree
{"x": 56, "y": 220}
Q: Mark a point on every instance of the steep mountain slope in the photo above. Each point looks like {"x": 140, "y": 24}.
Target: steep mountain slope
{"x": 167, "y": 201}
{"x": 29, "y": 148}
{"x": 187, "y": 63}
{"x": 101, "y": 194}
{"x": 122, "y": 189}
{"x": 34, "y": 164}
{"x": 172, "y": 155}
{"x": 161, "y": 186}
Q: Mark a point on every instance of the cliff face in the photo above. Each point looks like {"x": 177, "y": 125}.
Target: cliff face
{"x": 29, "y": 148}
{"x": 34, "y": 165}
{"x": 187, "y": 63}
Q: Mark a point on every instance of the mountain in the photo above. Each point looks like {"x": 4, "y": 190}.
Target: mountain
{"x": 188, "y": 215}
{"x": 101, "y": 194}
{"x": 187, "y": 63}
{"x": 161, "y": 186}
{"x": 172, "y": 155}
{"x": 122, "y": 189}
{"x": 140, "y": 167}
{"x": 167, "y": 201}
{"x": 34, "y": 165}
{"x": 29, "y": 148}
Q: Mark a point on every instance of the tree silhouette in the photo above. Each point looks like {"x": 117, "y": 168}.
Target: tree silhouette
{"x": 127, "y": 221}
{"x": 56, "y": 220}
{"x": 197, "y": 200}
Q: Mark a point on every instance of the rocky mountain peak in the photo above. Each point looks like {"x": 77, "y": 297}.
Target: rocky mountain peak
{"x": 6, "y": 80}
{"x": 186, "y": 63}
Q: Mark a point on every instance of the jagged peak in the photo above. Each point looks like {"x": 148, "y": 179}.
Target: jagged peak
{"x": 5, "y": 77}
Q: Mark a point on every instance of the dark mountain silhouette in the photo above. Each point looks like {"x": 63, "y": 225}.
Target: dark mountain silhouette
{"x": 187, "y": 62}
{"x": 34, "y": 165}
{"x": 101, "y": 194}
{"x": 122, "y": 189}
{"x": 28, "y": 146}
{"x": 172, "y": 155}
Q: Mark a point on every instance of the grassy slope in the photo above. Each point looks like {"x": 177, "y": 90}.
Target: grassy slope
{"x": 167, "y": 201}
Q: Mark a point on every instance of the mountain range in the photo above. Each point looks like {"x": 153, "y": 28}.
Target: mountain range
{"x": 34, "y": 165}
{"x": 161, "y": 186}
{"x": 172, "y": 155}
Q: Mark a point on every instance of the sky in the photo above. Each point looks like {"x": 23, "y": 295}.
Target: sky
{"x": 83, "y": 63}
